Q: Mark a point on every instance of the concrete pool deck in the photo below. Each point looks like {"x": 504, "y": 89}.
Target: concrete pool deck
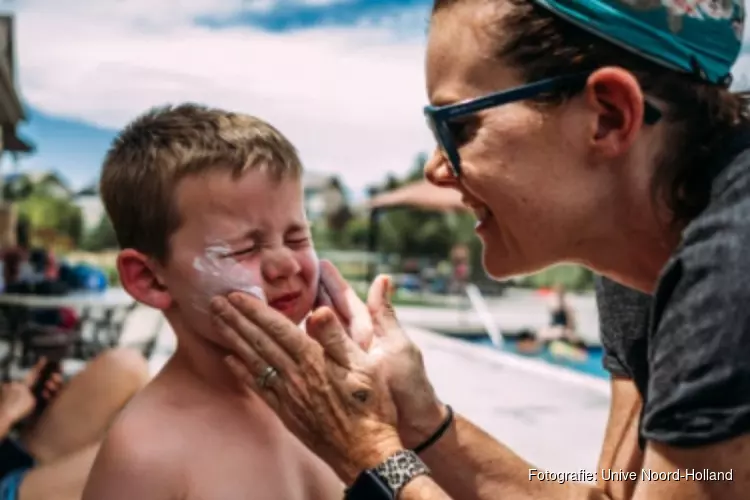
{"x": 551, "y": 416}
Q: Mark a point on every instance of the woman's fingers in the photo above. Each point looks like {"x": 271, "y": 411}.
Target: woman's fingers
{"x": 248, "y": 341}
{"x": 258, "y": 323}
{"x": 253, "y": 366}
{"x": 323, "y": 299}
{"x": 335, "y": 287}
{"x": 324, "y": 326}
{"x": 240, "y": 370}
{"x": 347, "y": 304}
{"x": 379, "y": 293}
{"x": 381, "y": 308}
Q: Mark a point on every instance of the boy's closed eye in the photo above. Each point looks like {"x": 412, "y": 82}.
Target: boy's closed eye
{"x": 298, "y": 241}
{"x": 243, "y": 251}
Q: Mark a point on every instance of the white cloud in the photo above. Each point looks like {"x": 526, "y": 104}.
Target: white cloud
{"x": 349, "y": 98}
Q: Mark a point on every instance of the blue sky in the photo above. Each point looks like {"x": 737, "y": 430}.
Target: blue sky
{"x": 72, "y": 147}
{"x": 342, "y": 78}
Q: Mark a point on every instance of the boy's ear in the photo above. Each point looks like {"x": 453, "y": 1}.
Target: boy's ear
{"x": 140, "y": 278}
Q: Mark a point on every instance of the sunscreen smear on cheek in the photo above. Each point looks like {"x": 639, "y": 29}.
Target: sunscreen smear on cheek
{"x": 220, "y": 275}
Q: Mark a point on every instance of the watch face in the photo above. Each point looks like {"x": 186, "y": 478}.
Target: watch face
{"x": 369, "y": 486}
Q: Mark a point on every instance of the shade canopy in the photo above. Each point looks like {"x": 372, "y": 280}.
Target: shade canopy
{"x": 419, "y": 194}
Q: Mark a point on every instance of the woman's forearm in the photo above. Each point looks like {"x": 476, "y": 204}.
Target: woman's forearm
{"x": 423, "y": 488}
{"x": 471, "y": 465}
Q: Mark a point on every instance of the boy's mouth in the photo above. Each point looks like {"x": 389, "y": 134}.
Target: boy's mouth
{"x": 285, "y": 303}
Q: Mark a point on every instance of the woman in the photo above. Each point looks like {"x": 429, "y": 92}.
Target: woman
{"x": 600, "y": 132}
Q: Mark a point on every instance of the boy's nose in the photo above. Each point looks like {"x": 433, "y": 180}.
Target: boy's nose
{"x": 279, "y": 264}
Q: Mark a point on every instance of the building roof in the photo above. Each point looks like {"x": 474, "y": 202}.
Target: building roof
{"x": 13, "y": 143}
{"x": 315, "y": 180}
{"x": 419, "y": 194}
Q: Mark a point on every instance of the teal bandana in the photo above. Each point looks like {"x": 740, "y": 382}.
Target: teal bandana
{"x": 702, "y": 37}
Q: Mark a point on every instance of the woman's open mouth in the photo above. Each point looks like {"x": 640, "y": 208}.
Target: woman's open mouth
{"x": 483, "y": 215}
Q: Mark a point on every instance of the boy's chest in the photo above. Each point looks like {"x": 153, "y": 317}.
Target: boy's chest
{"x": 255, "y": 466}
{"x": 247, "y": 480}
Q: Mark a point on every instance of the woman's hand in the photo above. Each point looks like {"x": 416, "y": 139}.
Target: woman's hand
{"x": 313, "y": 383}
{"x": 330, "y": 393}
{"x": 336, "y": 293}
{"x": 376, "y": 328}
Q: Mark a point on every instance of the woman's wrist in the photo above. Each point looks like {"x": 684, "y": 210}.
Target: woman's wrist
{"x": 419, "y": 428}
{"x": 371, "y": 452}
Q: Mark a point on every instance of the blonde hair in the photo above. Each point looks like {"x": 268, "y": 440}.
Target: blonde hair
{"x": 154, "y": 152}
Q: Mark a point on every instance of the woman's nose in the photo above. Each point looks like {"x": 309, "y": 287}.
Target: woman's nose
{"x": 438, "y": 171}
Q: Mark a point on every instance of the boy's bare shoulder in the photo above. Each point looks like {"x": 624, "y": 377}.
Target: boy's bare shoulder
{"x": 140, "y": 457}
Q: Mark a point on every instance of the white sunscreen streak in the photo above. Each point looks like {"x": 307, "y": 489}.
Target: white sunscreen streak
{"x": 220, "y": 275}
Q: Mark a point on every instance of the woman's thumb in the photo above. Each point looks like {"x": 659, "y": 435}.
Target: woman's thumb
{"x": 324, "y": 326}
{"x": 379, "y": 293}
{"x": 379, "y": 302}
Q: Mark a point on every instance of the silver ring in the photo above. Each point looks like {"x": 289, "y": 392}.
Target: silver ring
{"x": 265, "y": 377}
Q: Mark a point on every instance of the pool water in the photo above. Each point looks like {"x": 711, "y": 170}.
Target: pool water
{"x": 592, "y": 365}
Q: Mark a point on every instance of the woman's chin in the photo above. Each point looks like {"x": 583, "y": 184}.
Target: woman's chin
{"x": 499, "y": 264}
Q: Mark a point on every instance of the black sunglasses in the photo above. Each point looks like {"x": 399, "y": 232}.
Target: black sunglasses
{"x": 442, "y": 120}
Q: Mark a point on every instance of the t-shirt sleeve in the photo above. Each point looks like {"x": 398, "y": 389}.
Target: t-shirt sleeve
{"x": 623, "y": 317}
{"x": 698, "y": 391}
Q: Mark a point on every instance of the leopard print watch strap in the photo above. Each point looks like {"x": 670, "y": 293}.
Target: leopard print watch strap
{"x": 400, "y": 468}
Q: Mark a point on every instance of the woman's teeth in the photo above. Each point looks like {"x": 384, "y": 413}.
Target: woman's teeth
{"x": 481, "y": 213}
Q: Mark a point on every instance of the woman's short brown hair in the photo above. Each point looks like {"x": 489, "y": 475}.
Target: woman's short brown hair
{"x": 702, "y": 115}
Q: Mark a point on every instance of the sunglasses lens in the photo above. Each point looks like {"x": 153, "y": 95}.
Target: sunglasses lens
{"x": 444, "y": 140}
{"x": 433, "y": 129}
{"x": 448, "y": 146}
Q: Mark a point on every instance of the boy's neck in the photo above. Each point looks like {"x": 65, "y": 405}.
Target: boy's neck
{"x": 205, "y": 361}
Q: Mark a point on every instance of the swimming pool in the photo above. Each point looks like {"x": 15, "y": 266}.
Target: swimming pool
{"x": 592, "y": 365}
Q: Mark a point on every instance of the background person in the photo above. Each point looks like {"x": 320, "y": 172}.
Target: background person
{"x": 50, "y": 458}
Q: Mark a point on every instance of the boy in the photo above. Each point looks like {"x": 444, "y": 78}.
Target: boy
{"x": 203, "y": 202}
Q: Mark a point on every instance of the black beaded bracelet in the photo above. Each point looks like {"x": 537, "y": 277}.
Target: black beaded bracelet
{"x": 438, "y": 433}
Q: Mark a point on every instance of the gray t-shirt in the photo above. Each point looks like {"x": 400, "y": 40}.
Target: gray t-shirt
{"x": 687, "y": 347}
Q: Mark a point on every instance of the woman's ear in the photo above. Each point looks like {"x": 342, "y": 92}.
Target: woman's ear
{"x": 616, "y": 96}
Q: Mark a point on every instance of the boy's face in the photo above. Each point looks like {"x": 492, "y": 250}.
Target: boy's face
{"x": 239, "y": 233}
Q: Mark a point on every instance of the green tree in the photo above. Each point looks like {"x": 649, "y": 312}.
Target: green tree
{"x": 417, "y": 170}
{"x": 102, "y": 237}
{"x": 357, "y": 232}
{"x": 58, "y": 214}
{"x": 411, "y": 232}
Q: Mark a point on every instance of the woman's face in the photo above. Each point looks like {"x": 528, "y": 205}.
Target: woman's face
{"x": 523, "y": 171}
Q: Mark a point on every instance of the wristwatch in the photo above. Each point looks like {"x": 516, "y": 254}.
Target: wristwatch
{"x": 386, "y": 481}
